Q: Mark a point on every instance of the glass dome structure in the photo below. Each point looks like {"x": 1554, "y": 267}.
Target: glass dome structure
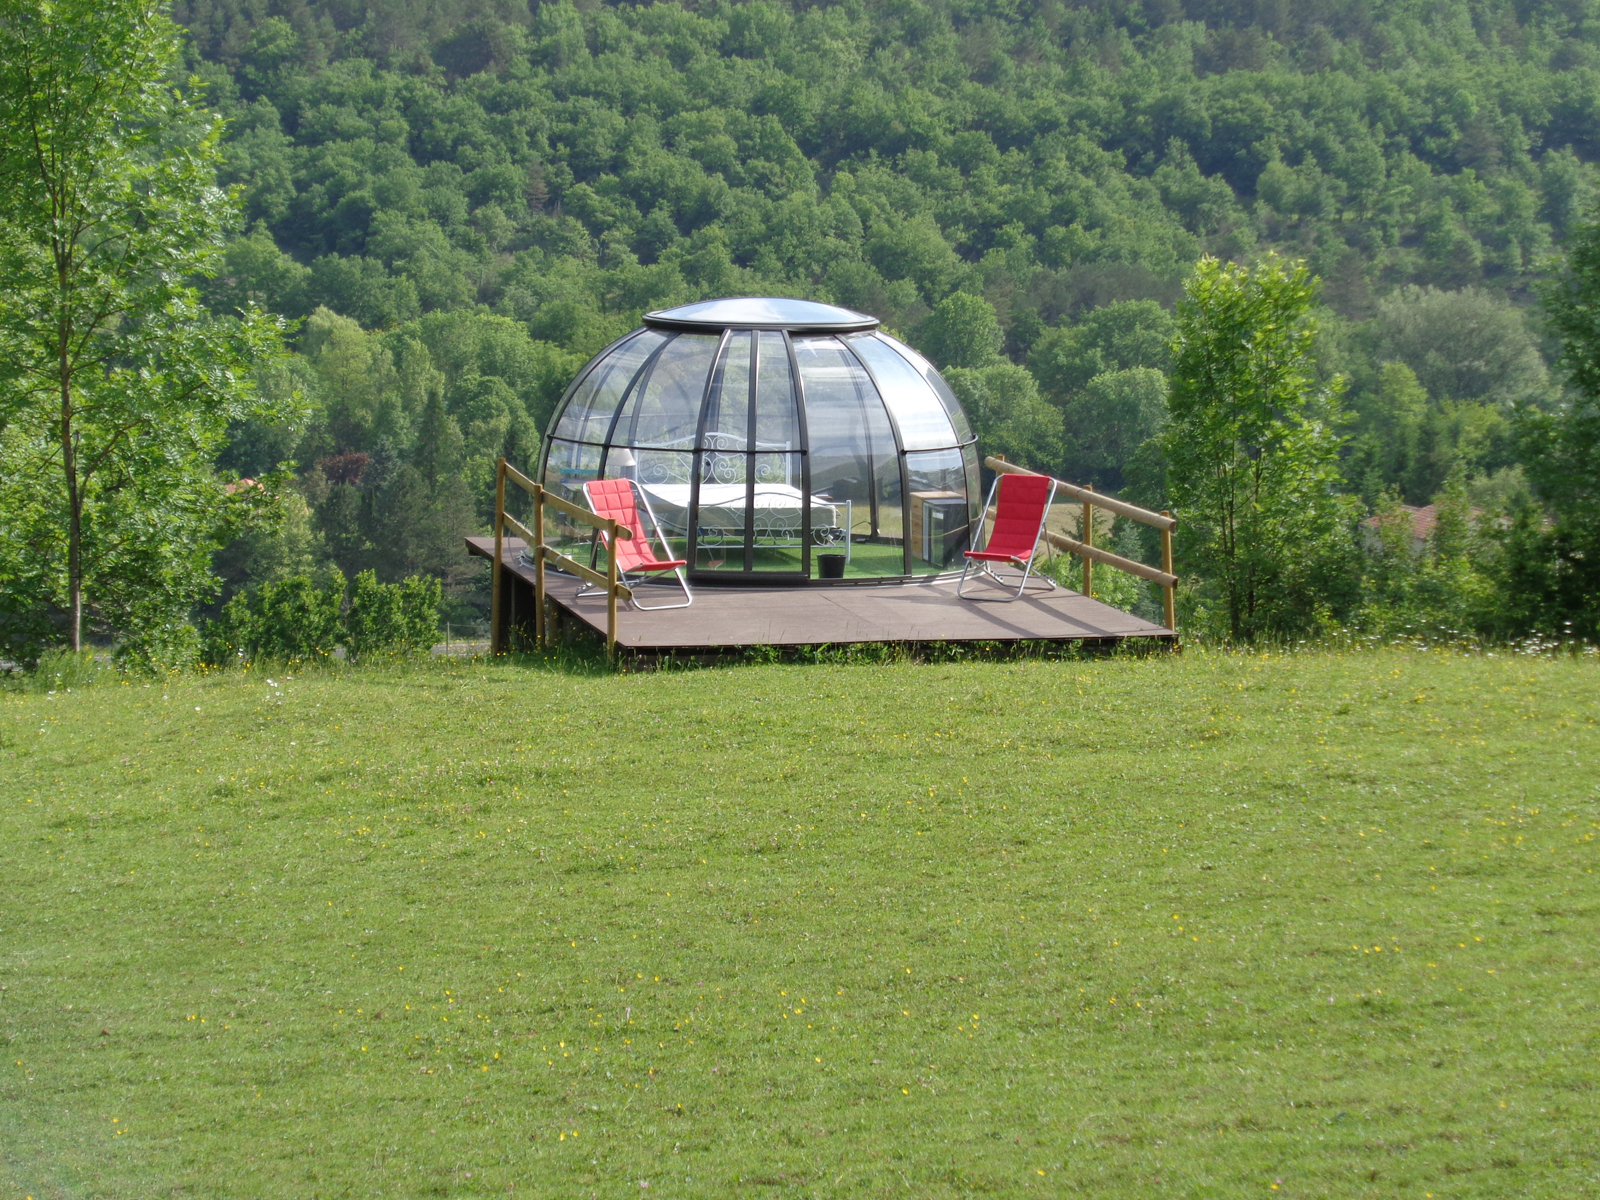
{"x": 775, "y": 441}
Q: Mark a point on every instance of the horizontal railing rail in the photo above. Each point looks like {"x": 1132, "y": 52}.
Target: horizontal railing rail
{"x": 1085, "y": 548}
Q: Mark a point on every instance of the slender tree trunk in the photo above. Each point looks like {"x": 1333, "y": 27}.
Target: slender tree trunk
{"x": 69, "y": 467}
{"x": 69, "y": 461}
{"x": 63, "y": 253}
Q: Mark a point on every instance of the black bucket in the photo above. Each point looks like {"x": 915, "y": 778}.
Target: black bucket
{"x": 832, "y": 565}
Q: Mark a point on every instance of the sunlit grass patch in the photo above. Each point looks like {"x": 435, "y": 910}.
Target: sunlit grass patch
{"x": 1192, "y": 926}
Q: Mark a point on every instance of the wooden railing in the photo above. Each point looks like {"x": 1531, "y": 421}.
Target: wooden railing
{"x": 542, "y": 554}
{"x": 1085, "y": 548}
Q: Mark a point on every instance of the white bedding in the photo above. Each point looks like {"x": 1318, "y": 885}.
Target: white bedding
{"x": 778, "y": 508}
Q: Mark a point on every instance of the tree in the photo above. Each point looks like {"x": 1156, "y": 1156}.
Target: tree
{"x": 1252, "y": 450}
{"x": 1114, "y": 337}
{"x": 1561, "y": 450}
{"x": 1387, "y": 450}
{"x": 117, "y": 385}
{"x": 962, "y": 332}
{"x": 1008, "y": 415}
{"x": 1463, "y": 345}
{"x": 1107, "y": 421}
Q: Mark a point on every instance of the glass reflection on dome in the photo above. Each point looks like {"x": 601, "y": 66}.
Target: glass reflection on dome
{"x": 923, "y": 421}
{"x": 664, "y": 408}
{"x": 765, "y": 312}
{"x": 926, "y": 369}
{"x": 593, "y": 404}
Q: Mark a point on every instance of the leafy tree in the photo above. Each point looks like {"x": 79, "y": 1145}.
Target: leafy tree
{"x": 1107, "y": 421}
{"x": 1461, "y": 345}
{"x": 356, "y": 376}
{"x": 1561, "y": 450}
{"x": 961, "y": 331}
{"x": 271, "y": 552}
{"x": 1441, "y": 588}
{"x": 118, "y": 386}
{"x": 1387, "y": 452}
{"x": 1252, "y": 451}
{"x": 1114, "y": 337}
{"x": 440, "y": 447}
{"x": 1008, "y": 415}
{"x": 253, "y": 272}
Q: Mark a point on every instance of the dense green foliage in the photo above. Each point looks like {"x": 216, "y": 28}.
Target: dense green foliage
{"x": 568, "y": 166}
{"x": 1252, "y": 453}
{"x": 461, "y": 200}
{"x": 1010, "y": 188}
{"x": 302, "y": 620}
{"x": 1224, "y": 921}
{"x": 1564, "y": 457}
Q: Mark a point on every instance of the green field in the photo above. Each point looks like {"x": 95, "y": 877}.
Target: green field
{"x": 1218, "y": 925}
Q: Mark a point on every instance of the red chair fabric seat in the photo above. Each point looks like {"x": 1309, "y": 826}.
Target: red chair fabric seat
{"x": 1021, "y": 503}
{"x": 618, "y": 500}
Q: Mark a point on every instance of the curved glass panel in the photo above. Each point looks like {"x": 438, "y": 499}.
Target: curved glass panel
{"x": 727, "y": 418}
{"x": 975, "y": 497}
{"x": 924, "y": 423}
{"x": 855, "y": 467}
{"x": 567, "y": 467}
{"x": 664, "y": 409}
{"x": 777, "y": 418}
{"x": 587, "y": 415}
{"x": 940, "y": 515}
{"x": 952, "y": 406}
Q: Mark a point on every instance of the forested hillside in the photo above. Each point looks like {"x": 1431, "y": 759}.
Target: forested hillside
{"x": 480, "y": 195}
{"x": 453, "y": 203}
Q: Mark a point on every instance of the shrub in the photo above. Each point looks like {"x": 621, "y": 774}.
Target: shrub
{"x": 60, "y": 670}
{"x": 158, "y": 647}
{"x": 395, "y": 618}
{"x": 297, "y": 620}
{"x": 294, "y": 620}
{"x": 1440, "y": 589}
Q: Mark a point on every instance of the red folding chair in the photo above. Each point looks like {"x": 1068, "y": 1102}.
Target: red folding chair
{"x": 618, "y": 500}
{"x": 1021, "y": 503}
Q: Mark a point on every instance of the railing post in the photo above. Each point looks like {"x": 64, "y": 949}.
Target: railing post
{"x": 1168, "y": 604}
{"x": 1086, "y": 536}
{"x": 495, "y": 640}
{"x": 538, "y": 567}
{"x": 611, "y": 592}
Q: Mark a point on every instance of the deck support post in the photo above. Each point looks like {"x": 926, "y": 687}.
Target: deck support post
{"x": 1086, "y": 536}
{"x": 1168, "y": 593}
{"x": 496, "y": 641}
{"x": 538, "y": 567}
{"x": 611, "y": 591}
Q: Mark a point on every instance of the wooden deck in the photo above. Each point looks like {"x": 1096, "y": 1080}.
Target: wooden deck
{"x": 725, "y": 618}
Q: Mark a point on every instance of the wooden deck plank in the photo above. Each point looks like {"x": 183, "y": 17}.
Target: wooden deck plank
{"x": 727, "y": 617}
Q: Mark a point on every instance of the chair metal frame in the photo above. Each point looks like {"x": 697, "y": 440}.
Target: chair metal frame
{"x": 988, "y": 568}
{"x": 640, "y": 498}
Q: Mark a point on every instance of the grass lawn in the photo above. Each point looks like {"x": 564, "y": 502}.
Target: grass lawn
{"x": 1219, "y": 925}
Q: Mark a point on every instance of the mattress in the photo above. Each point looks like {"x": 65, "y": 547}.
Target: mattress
{"x": 778, "y": 509}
